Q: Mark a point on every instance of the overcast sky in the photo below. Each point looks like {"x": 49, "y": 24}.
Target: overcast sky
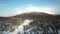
{"x": 13, "y": 7}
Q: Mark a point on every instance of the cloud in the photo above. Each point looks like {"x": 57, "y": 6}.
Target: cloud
{"x": 31, "y": 8}
{"x": 26, "y": 9}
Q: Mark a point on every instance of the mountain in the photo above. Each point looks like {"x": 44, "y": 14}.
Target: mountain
{"x": 7, "y": 23}
{"x": 33, "y": 15}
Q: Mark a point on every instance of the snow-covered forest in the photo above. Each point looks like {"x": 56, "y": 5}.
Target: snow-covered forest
{"x": 32, "y": 23}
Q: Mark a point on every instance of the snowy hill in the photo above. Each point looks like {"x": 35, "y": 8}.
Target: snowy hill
{"x": 10, "y": 24}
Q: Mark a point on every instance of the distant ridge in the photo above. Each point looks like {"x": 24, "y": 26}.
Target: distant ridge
{"x": 32, "y": 15}
{"x": 42, "y": 13}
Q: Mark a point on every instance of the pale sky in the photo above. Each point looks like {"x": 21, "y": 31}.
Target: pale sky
{"x": 13, "y": 7}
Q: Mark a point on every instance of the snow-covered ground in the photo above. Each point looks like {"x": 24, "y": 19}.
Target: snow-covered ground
{"x": 19, "y": 29}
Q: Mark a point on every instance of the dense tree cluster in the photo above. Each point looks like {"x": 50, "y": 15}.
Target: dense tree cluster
{"x": 44, "y": 26}
{"x": 42, "y": 23}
